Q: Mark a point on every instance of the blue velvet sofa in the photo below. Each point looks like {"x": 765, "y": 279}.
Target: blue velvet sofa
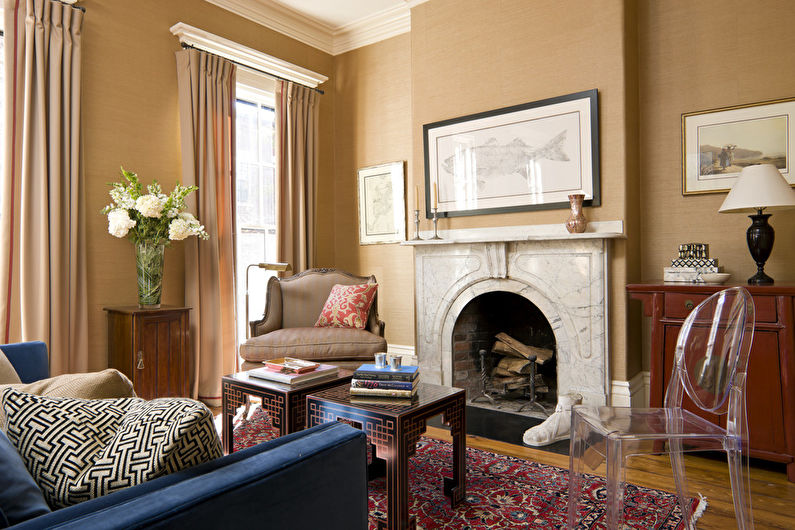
{"x": 315, "y": 478}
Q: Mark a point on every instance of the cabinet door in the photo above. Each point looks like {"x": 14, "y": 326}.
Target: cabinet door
{"x": 762, "y": 391}
{"x": 161, "y": 357}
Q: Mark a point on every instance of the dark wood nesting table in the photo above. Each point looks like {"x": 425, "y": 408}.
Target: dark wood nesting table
{"x": 285, "y": 405}
{"x": 394, "y": 431}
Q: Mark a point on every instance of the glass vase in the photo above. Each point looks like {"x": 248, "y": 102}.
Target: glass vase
{"x": 149, "y": 264}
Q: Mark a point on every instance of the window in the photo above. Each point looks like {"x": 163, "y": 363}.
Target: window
{"x": 255, "y": 190}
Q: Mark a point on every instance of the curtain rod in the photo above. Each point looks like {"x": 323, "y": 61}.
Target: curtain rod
{"x": 263, "y": 72}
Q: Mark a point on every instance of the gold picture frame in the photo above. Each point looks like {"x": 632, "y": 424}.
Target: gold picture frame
{"x": 718, "y": 143}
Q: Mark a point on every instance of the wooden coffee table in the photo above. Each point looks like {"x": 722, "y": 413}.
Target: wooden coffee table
{"x": 285, "y": 405}
{"x": 394, "y": 431}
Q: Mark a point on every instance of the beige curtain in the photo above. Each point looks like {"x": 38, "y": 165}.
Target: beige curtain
{"x": 42, "y": 247}
{"x": 206, "y": 109}
{"x": 297, "y": 156}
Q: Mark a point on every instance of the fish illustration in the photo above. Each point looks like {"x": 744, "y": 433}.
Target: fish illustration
{"x": 493, "y": 159}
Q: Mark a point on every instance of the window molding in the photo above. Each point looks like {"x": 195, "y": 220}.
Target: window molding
{"x": 246, "y": 56}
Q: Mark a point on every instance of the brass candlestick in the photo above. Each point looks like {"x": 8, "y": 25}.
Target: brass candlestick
{"x": 416, "y": 226}
{"x": 435, "y": 221}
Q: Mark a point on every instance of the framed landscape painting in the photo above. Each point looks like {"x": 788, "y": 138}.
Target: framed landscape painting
{"x": 717, "y": 144}
{"x": 526, "y": 157}
{"x": 382, "y": 210}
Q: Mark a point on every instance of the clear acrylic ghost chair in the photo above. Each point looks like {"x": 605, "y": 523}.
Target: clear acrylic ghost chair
{"x": 710, "y": 365}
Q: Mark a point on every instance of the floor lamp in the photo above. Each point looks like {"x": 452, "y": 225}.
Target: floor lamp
{"x": 758, "y": 188}
{"x": 279, "y": 267}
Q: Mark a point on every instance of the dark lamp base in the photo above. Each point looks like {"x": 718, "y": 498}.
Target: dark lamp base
{"x": 760, "y": 278}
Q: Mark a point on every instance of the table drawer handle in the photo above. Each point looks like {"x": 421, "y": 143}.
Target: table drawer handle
{"x": 689, "y": 305}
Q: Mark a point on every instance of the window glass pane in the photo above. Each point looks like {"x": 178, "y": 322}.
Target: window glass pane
{"x": 255, "y": 206}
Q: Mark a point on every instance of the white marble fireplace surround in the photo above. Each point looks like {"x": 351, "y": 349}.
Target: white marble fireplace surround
{"x": 564, "y": 275}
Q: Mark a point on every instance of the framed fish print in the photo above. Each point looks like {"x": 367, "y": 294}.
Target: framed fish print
{"x": 717, "y": 144}
{"x": 525, "y": 157}
{"x": 382, "y": 211}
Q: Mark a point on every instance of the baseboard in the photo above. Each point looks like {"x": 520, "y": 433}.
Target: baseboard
{"x": 405, "y": 351}
{"x": 632, "y": 393}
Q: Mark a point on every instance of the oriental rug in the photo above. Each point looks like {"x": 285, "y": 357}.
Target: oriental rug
{"x": 503, "y": 492}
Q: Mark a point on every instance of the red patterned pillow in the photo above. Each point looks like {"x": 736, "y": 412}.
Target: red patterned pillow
{"x": 347, "y": 306}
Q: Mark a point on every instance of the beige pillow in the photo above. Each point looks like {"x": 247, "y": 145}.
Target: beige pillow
{"x": 106, "y": 384}
{"x": 7, "y": 372}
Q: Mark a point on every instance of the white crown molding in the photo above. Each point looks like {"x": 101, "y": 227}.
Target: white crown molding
{"x": 282, "y": 19}
{"x": 246, "y": 56}
{"x": 334, "y": 41}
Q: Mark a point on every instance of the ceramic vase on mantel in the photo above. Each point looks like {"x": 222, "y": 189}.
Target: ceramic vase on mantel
{"x": 576, "y": 222}
{"x": 149, "y": 264}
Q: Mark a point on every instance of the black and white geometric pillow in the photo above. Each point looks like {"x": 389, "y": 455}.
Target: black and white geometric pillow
{"x": 78, "y": 449}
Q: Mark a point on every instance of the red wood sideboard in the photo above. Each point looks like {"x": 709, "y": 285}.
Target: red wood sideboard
{"x": 770, "y": 388}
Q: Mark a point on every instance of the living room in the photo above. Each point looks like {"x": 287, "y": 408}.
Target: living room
{"x": 650, "y": 61}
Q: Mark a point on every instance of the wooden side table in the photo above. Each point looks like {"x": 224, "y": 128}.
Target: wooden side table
{"x": 151, "y": 347}
{"x": 394, "y": 431}
{"x": 285, "y": 405}
{"x": 770, "y": 383}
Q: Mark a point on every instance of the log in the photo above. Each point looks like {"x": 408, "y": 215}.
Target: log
{"x": 542, "y": 354}
{"x": 503, "y": 349}
{"x": 517, "y": 366}
{"x": 511, "y": 379}
{"x": 499, "y": 371}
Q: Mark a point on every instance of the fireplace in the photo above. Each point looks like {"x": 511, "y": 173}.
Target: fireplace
{"x": 562, "y": 276}
{"x": 475, "y": 365}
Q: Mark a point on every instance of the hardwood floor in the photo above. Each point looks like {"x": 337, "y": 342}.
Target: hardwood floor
{"x": 772, "y": 496}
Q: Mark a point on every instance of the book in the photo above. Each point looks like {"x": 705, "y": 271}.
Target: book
{"x": 324, "y": 370}
{"x": 370, "y": 371}
{"x": 382, "y": 400}
{"x": 387, "y": 385}
{"x": 383, "y": 392}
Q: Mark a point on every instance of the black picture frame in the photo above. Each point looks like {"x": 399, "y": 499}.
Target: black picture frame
{"x": 496, "y": 143}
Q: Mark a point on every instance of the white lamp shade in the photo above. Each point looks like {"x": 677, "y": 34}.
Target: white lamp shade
{"x": 759, "y": 186}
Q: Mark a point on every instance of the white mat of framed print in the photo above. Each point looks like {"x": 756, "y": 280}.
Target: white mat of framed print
{"x": 382, "y": 210}
{"x": 526, "y": 157}
{"x": 717, "y": 144}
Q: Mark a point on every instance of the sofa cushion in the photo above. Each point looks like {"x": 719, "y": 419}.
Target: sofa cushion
{"x": 78, "y": 449}
{"x": 347, "y": 306}
{"x": 7, "y": 372}
{"x": 106, "y": 384}
{"x": 326, "y": 344}
{"x": 20, "y": 497}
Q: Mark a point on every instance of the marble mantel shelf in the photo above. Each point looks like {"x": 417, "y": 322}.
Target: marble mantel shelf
{"x": 551, "y": 232}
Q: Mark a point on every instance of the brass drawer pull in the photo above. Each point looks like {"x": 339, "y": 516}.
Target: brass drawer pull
{"x": 689, "y": 305}
{"x": 140, "y": 364}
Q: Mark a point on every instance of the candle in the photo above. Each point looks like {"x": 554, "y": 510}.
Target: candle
{"x": 416, "y": 197}
{"x": 435, "y": 196}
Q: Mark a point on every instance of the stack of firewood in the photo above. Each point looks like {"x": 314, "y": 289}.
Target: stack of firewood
{"x": 514, "y": 370}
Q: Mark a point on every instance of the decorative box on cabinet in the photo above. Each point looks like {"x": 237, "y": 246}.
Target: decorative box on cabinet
{"x": 150, "y": 346}
{"x": 770, "y": 385}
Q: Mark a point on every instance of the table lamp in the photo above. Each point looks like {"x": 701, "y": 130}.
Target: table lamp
{"x": 279, "y": 267}
{"x": 758, "y": 188}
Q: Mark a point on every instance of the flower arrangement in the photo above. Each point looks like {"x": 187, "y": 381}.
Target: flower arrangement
{"x": 151, "y": 221}
{"x": 153, "y": 216}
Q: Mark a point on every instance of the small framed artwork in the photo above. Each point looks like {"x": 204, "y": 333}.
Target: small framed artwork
{"x": 526, "y": 157}
{"x": 717, "y": 144}
{"x": 382, "y": 210}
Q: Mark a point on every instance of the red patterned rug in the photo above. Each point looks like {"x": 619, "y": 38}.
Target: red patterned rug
{"x": 502, "y": 491}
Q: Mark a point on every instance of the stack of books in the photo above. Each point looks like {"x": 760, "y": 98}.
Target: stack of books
{"x": 693, "y": 261}
{"x": 374, "y": 385}
{"x": 288, "y": 372}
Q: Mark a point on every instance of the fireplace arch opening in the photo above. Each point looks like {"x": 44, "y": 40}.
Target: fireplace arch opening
{"x": 505, "y": 380}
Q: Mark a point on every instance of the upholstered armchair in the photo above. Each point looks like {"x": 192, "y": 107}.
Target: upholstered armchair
{"x": 292, "y": 307}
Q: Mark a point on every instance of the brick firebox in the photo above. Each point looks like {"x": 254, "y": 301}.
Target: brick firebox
{"x": 485, "y": 316}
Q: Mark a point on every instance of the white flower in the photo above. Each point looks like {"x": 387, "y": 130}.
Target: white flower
{"x": 187, "y": 216}
{"x": 179, "y": 229}
{"x": 121, "y": 196}
{"x": 149, "y": 205}
{"x": 119, "y": 222}
{"x": 173, "y": 212}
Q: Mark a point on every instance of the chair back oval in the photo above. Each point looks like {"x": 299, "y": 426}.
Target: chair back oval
{"x": 712, "y": 351}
